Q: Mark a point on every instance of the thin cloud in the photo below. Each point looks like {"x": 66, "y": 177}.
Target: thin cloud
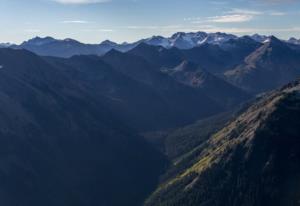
{"x": 234, "y": 18}
{"x": 75, "y": 22}
{"x": 235, "y": 15}
{"x": 277, "y": 13}
{"x": 142, "y": 27}
{"x": 256, "y": 12}
{"x": 245, "y": 12}
{"x": 106, "y": 30}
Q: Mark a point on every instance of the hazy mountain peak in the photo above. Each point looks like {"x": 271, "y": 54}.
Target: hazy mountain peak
{"x": 293, "y": 40}
{"x": 246, "y": 39}
{"x": 39, "y": 41}
{"x": 69, "y": 40}
{"x": 108, "y": 43}
{"x": 276, "y": 44}
{"x": 259, "y": 38}
{"x": 148, "y": 47}
{"x": 178, "y": 35}
{"x": 6, "y": 45}
{"x": 157, "y": 41}
{"x": 275, "y": 40}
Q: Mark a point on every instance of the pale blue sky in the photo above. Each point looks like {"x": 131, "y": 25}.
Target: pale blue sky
{"x": 93, "y": 21}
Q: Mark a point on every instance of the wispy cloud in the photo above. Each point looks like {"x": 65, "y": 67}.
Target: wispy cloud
{"x": 235, "y": 15}
{"x": 80, "y": 1}
{"x": 277, "y": 13}
{"x": 245, "y": 12}
{"x": 142, "y": 27}
{"x": 106, "y": 30}
{"x": 234, "y": 18}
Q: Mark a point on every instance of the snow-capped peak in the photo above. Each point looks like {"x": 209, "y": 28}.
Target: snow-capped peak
{"x": 259, "y": 38}
{"x": 158, "y": 41}
{"x": 183, "y": 40}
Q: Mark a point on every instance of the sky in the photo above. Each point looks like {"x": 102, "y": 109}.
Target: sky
{"x": 93, "y": 21}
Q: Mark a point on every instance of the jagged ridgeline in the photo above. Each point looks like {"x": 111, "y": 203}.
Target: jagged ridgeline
{"x": 253, "y": 161}
{"x": 159, "y": 119}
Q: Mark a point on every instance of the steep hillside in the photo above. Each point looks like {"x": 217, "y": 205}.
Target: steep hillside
{"x": 214, "y": 87}
{"x": 133, "y": 102}
{"x": 252, "y": 161}
{"x": 176, "y": 143}
{"x": 210, "y": 57}
{"x": 157, "y": 55}
{"x": 270, "y": 66}
{"x": 240, "y": 47}
{"x": 61, "y": 146}
{"x": 186, "y": 104}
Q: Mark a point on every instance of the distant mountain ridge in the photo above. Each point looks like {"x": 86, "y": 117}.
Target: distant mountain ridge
{"x": 80, "y": 122}
{"x": 49, "y": 46}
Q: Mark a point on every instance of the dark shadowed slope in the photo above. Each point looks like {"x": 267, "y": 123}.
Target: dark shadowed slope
{"x": 240, "y": 48}
{"x": 140, "y": 96}
{"x": 270, "y": 66}
{"x": 158, "y": 55}
{"x": 135, "y": 103}
{"x": 214, "y": 87}
{"x": 209, "y": 57}
{"x": 186, "y": 104}
{"x": 253, "y": 161}
{"x": 214, "y": 58}
{"x": 60, "y": 146}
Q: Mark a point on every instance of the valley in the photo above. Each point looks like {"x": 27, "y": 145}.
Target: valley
{"x": 198, "y": 118}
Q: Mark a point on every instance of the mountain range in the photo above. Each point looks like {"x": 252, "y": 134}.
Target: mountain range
{"x": 49, "y": 46}
{"x": 200, "y": 118}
